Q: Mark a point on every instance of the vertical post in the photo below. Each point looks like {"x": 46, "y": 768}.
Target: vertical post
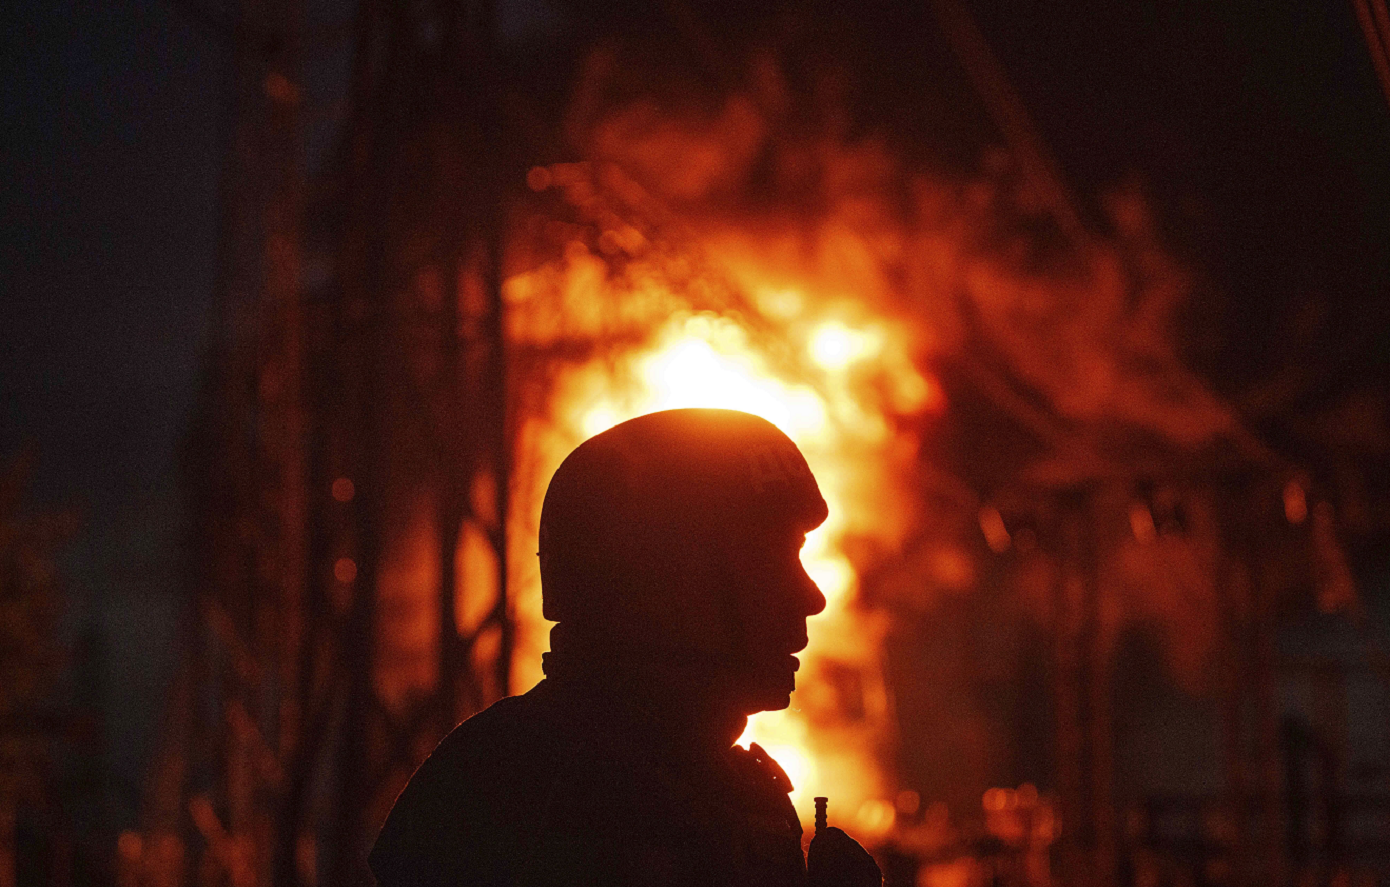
{"x": 454, "y": 469}
{"x": 1275, "y": 866}
{"x": 455, "y": 400}
{"x": 1069, "y": 742}
{"x": 1330, "y": 744}
{"x": 449, "y": 527}
{"x": 499, "y": 440}
{"x": 365, "y": 304}
{"x": 8, "y": 845}
{"x": 1082, "y": 692}
{"x": 282, "y": 294}
{"x": 1239, "y": 690}
{"x": 275, "y": 708}
{"x": 1098, "y": 648}
{"x": 493, "y": 172}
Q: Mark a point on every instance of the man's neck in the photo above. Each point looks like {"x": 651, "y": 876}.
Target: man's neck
{"x": 679, "y": 707}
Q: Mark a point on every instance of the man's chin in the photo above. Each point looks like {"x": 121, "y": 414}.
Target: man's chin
{"x": 771, "y": 695}
{"x": 765, "y": 702}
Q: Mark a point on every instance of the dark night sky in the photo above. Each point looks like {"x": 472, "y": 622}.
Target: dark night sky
{"x": 1261, "y": 129}
{"x": 111, "y": 163}
{"x": 112, "y": 128}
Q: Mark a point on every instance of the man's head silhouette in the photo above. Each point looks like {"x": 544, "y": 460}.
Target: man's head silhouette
{"x": 670, "y": 551}
{"x": 670, "y": 562}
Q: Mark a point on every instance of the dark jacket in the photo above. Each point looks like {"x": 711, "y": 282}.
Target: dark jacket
{"x": 567, "y": 787}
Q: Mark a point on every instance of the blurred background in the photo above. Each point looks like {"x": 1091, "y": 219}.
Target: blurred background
{"x": 1078, "y": 313}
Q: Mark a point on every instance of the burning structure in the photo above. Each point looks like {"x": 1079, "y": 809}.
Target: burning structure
{"x": 1035, "y": 507}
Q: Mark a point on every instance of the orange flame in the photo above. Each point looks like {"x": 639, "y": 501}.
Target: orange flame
{"x": 832, "y": 740}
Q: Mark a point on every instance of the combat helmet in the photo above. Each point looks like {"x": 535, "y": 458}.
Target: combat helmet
{"x": 637, "y": 510}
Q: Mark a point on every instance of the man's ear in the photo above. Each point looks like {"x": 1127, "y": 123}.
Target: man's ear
{"x": 673, "y": 610}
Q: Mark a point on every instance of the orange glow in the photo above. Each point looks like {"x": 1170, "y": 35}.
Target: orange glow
{"x": 822, "y": 321}
{"x": 345, "y": 570}
{"x": 806, "y": 381}
{"x": 343, "y": 489}
{"x": 997, "y": 799}
{"x": 1295, "y": 502}
{"x": 875, "y": 817}
{"x": 996, "y": 534}
{"x": 821, "y": 317}
{"x": 130, "y": 846}
{"x": 1141, "y": 522}
{"x": 836, "y": 347}
{"x": 538, "y": 178}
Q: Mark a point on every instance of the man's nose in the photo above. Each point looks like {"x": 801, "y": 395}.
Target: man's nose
{"x": 813, "y": 600}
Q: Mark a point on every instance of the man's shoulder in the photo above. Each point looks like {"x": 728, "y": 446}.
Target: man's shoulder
{"x": 476, "y": 795}
{"x": 551, "y": 788}
{"x": 508, "y": 729}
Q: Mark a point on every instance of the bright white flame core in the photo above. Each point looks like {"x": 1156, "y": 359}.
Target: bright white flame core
{"x": 690, "y": 373}
{"x": 835, "y": 346}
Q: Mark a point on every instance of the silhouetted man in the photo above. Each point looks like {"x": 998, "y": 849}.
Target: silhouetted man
{"x": 669, "y": 554}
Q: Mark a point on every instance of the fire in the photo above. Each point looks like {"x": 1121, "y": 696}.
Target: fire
{"x": 804, "y": 379}
{"x": 835, "y": 346}
{"x": 796, "y": 317}
{"x": 705, "y": 361}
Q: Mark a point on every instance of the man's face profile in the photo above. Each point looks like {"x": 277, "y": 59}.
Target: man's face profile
{"x": 769, "y": 597}
{"x": 670, "y": 547}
